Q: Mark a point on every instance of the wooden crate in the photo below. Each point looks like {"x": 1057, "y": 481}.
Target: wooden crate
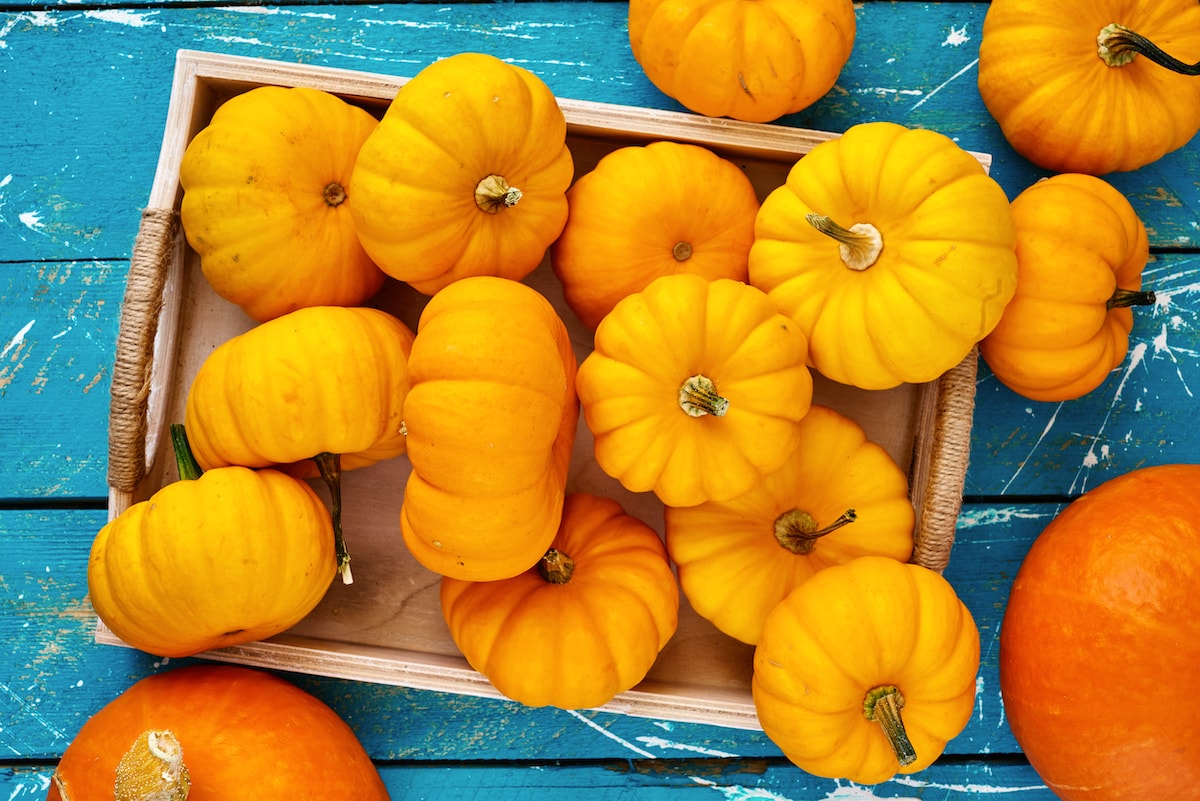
{"x": 386, "y": 627}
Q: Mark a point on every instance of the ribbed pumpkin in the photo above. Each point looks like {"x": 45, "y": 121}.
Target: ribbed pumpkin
{"x": 866, "y": 670}
{"x": 838, "y": 497}
{"x": 228, "y": 557}
{"x": 753, "y": 61}
{"x": 586, "y": 623}
{"x": 892, "y": 249}
{"x": 1094, "y": 87}
{"x": 1081, "y": 249}
{"x": 265, "y": 203}
{"x": 694, "y": 389}
{"x": 490, "y": 418}
{"x": 650, "y": 210}
{"x": 220, "y": 733}
{"x": 466, "y": 174}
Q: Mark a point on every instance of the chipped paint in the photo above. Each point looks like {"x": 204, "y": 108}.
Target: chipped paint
{"x": 119, "y": 16}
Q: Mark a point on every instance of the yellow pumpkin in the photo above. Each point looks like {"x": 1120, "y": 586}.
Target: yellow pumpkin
{"x": 490, "y": 418}
{"x": 584, "y": 624}
{"x": 753, "y": 60}
{"x": 652, "y": 210}
{"x": 226, "y": 557}
{"x": 694, "y": 389}
{"x": 466, "y": 174}
{"x": 325, "y": 384}
{"x": 1086, "y": 86}
{"x": 866, "y": 670}
{"x": 838, "y": 497}
{"x": 892, "y": 249}
{"x": 1081, "y": 249}
{"x": 265, "y": 203}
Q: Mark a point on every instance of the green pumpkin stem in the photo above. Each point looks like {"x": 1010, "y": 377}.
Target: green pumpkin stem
{"x": 185, "y": 460}
{"x": 1117, "y": 46}
{"x": 1123, "y": 298}
{"x": 330, "y": 467}
{"x": 698, "y": 396}
{"x": 859, "y": 245}
{"x": 556, "y": 567}
{"x": 797, "y": 530}
{"x": 882, "y": 705}
{"x": 152, "y": 770}
{"x": 494, "y": 194}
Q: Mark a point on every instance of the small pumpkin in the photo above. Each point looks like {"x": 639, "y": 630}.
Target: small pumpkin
{"x": 1100, "y": 641}
{"x": 892, "y": 249}
{"x": 325, "y": 384}
{"x": 1096, "y": 87}
{"x": 490, "y": 419}
{"x": 584, "y": 624}
{"x": 839, "y": 496}
{"x": 694, "y": 389}
{"x": 651, "y": 210}
{"x": 466, "y": 174}
{"x": 219, "y": 558}
{"x": 265, "y": 201}
{"x": 209, "y": 732}
{"x": 752, "y": 61}
{"x": 1081, "y": 249}
{"x": 866, "y": 670}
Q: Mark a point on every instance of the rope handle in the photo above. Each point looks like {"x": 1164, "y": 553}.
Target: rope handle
{"x": 153, "y": 249}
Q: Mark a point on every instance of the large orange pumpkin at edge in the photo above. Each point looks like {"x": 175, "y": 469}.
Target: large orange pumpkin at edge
{"x": 1100, "y": 642}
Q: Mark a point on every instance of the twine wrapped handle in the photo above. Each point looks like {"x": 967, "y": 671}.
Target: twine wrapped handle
{"x": 130, "y": 393}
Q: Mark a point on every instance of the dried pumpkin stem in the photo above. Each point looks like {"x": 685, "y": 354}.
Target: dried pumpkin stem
{"x": 494, "y": 194}
{"x": 1124, "y": 298}
{"x": 859, "y": 245}
{"x": 153, "y": 770}
{"x": 797, "y": 530}
{"x": 698, "y": 396}
{"x": 185, "y": 461}
{"x": 882, "y": 705}
{"x": 330, "y": 467}
{"x": 1118, "y": 45}
{"x": 556, "y": 567}
{"x": 682, "y": 251}
{"x": 335, "y": 194}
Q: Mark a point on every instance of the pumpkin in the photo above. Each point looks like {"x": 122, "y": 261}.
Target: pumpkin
{"x": 265, "y": 203}
{"x": 892, "y": 249}
{"x": 1100, "y": 642}
{"x": 694, "y": 389}
{"x": 226, "y": 557}
{"x": 466, "y": 174}
{"x": 839, "y": 496}
{"x": 490, "y": 418}
{"x": 324, "y": 383}
{"x": 866, "y": 670}
{"x": 753, "y": 61}
{"x": 584, "y": 624}
{"x": 651, "y": 210}
{"x": 1094, "y": 87}
{"x": 209, "y": 732}
{"x": 1081, "y": 249}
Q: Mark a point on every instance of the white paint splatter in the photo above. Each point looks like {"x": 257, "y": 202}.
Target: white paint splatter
{"x": 956, "y": 37}
{"x": 972, "y": 789}
{"x": 993, "y": 516}
{"x": 38, "y": 19}
{"x": 133, "y": 19}
{"x": 882, "y": 91}
{"x": 30, "y": 219}
{"x": 1036, "y": 445}
{"x": 663, "y": 744}
{"x": 18, "y": 339}
{"x": 858, "y": 792}
{"x": 944, "y": 84}
{"x": 738, "y": 792}
{"x": 1090, "y": 459}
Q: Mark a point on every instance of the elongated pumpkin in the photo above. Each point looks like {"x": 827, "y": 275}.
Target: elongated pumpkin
{"x": 584, "y": 624}
{"x": 466, "y": 174}
{"x": 1081, "y": 249}
{"x": 490, "y": 418}
{"x": 839, "y": 496}
{"x": 694, "y": 389}
{"x": 892, "y": 249}
{"x": 265, "y": 201}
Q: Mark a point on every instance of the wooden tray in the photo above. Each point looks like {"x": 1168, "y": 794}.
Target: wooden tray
{"x": 386, "y": 627}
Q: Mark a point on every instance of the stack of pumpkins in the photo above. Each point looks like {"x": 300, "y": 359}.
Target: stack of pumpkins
{"x": 887, "y": 257}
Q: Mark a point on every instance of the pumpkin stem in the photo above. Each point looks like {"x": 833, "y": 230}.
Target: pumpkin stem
{"x": 330, "y": 467}
{"x": 797, "y": 530}
{"x": 189, "y": 468}
{"x": 1117, "y": 46}
{"x": 335, "y": 194}
{"x": 682, "y": 251}
{"x": 859, "y": 245}
{"x": 1123, "y": 298}
{"x": 698, "y": 397}
{"x": 153, "y": 770}
{"x": 882, "y": 705}
{"x": 556, "y": 567}
{"x": 493, "y": 194}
